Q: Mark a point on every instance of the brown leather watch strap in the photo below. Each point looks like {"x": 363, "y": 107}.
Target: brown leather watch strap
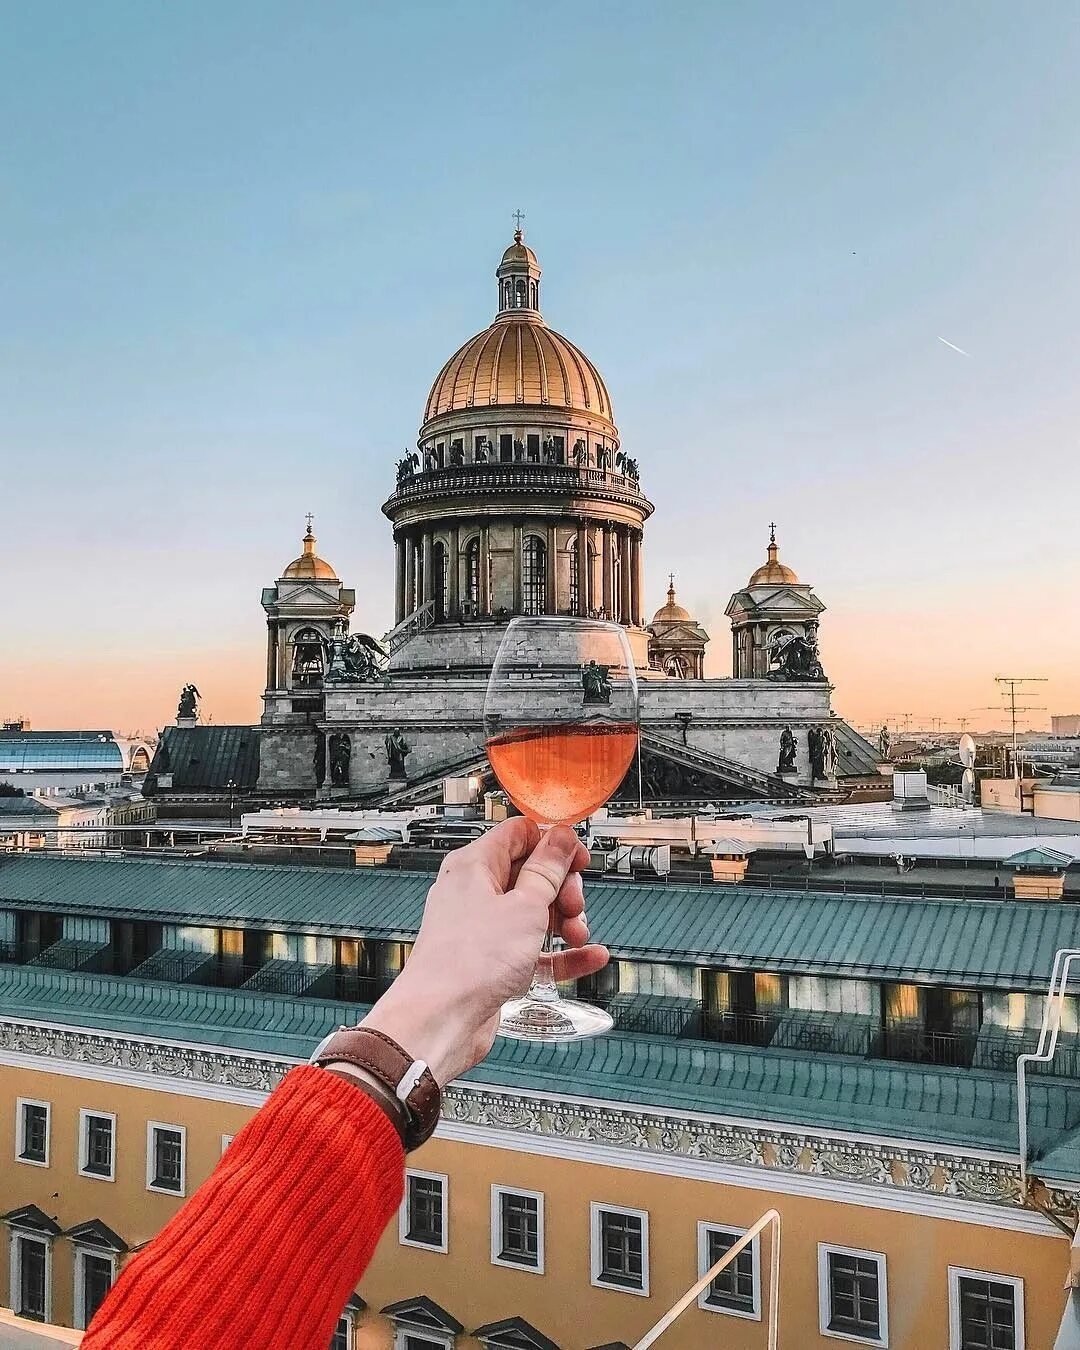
{"x": 390, "y": 1106}
{"x": 409, "y": 1081}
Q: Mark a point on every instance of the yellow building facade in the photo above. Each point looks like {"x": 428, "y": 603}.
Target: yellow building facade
{"x": 919, "y": 1227}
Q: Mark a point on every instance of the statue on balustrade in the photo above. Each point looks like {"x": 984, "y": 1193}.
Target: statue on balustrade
{"x": 788, "y": 749}
{"x": 457, "y": 454}
{"x": 407, "y": 466}
{"x": 188, "y": 707}
{"x": 430, "y": 459}
{"x": 340, "y": 751}
{"x": 602, "y": 454}
{"x": 482, "y": 453}
{"x": 626, "y": 465}
{"x": 550, "y": 452}
{"x": 519, "y": 451}
{"x": 354, "y": 659}
{"x": 884, "y": 742}
{"x": 397, "y": 747}
{"x": 821, "y": 742}
{"x": 581, "y": 454}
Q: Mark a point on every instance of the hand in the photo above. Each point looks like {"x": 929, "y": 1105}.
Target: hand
{"x": 484, "y": 923}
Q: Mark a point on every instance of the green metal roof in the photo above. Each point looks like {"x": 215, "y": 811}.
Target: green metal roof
{"x": 207, "y": 758}
{"x": 1004, "y": 944}
{"x": 1039, "y": 857}
{"x": 950, "y": 1106}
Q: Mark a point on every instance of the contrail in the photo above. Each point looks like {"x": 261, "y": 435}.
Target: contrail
{"x": 955, "y": 347}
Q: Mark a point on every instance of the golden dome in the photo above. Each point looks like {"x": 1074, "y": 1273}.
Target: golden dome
{"x": 309, "y": 566}
{"x": 518, "y": 361}
{"x": 671, "y": 612}
{"x": 773, "y": 571}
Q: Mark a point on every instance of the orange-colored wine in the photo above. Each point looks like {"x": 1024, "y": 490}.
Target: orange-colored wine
{"x": 560, "y": 774}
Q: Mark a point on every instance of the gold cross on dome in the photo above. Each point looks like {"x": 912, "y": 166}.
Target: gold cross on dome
{"x": 518, "y": 217}
{"x": 772, "y": 531}
{"x": 309, "y": 518}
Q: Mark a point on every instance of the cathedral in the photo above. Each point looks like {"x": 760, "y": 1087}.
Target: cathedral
{"x": 521, "y": 499}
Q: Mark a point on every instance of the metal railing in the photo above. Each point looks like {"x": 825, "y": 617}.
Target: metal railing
{"x": 917, "y": 1045}
{"x": 1064, "y": 959}
{"x": 769, "y": 1219}
{"x": 412, "y": 624}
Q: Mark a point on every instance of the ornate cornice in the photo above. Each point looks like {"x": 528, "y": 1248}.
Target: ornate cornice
{"x": 903, "y": 1174}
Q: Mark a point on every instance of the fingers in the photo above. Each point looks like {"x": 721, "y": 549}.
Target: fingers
{"x": 499, "y": 852}
{"x": 578, "y": 962}
{"x": 558, "y": 854}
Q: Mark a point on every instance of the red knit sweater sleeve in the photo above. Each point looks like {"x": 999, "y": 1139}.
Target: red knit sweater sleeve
{"x": 269, "y": 1248}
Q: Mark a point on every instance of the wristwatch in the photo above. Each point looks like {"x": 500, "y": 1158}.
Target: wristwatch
{"x": 408, "y": 1081}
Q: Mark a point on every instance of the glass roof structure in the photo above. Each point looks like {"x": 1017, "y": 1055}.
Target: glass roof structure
{"x": 41, "y": 751}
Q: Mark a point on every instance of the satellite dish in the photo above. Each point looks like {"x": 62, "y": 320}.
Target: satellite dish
{"x": 967, "y": 751}
{"x": 967, "y": 785}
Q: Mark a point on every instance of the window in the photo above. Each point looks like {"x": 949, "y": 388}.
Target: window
{"x": 405, "y": 1340}
{"x": 852, "y": 1295}
{"x": 735, "y": 1289}
{"x": 32, "y": 1132}
{"x": 30, "y": 1277}
{"x": 517, "y": 1229}
{"x": 343, "y": 1337}
{"x": 94, "y": 1276}
{"x": 986, "y": 1312}
{"x": 226, "y": 1140}
{"x": 472, "y": 574}
{"x": 96, "y": 1153}
{"x": 533, "y": 575}
{"x": 620, "y": 1248}
{"x": 575, "y": 580}
{"x": 165, "y": 1161}
{"x": 422, "y": 1222}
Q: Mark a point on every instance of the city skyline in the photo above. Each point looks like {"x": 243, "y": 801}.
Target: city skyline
{"x": 843, "y": 303}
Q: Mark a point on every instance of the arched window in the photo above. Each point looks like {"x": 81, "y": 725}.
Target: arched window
{"x": 575, "y": 579}
{"x": 520, "y": 300}
{"x": 308, "y": 658}
{"x": 472, "y": 575}
{"x": 438, "y": 577}
{"x": 533, "y": 575}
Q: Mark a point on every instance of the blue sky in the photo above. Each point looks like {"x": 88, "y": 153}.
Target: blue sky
{"x": 238, "y": 240}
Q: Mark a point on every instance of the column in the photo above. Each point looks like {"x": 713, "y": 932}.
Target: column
{"x": 453, "y": 569}
{"x": 635, "y": 578}
{"x": 485, "y": 571}
{"x": 625, "y": 570}
{"x": 410, "y": 575}
{"x": 584, "y": 581}
{"x": 517, "y": 567}
{"x": 271, "y": 653}
{"x": 551, "y": 600}
{"x": 427, "y": 574}
{"x": 399, "y": 591}
{"x": 282, "y": 657}
{"x": 605, "y": 572}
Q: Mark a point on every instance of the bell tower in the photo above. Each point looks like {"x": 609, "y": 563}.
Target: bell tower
{"x": 774, "y": 608}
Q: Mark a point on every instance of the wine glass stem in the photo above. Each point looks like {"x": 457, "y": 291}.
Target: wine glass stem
{"x": 543, "y": 987}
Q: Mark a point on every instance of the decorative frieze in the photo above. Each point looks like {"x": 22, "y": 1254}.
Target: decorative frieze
{"x": 877, "y": 1163}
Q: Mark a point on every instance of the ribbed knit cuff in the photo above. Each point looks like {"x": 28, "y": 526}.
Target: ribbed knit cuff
{"x": 269, "y": 1248}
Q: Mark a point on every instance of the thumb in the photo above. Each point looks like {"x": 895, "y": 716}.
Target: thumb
{"x": 558, "y": 853}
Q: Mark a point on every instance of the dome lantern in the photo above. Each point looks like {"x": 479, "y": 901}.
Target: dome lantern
{"x": 773, "y": 571}
{"x": 518, "y": 276}
{"x": 309, "y": 566}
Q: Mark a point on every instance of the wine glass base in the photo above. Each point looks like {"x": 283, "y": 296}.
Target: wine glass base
{"x": 564, "y": 1019}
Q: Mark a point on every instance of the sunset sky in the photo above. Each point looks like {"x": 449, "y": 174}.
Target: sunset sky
{"x": 238, "y": 241}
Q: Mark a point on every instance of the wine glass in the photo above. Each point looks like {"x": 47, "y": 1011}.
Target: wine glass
{"x": 561, "y": 724}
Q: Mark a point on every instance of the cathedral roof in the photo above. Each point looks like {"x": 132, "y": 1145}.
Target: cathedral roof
{"x": 309, "y": 566}
{"x": 773, "y": 570}
{"x": 671, "y": 612}
{"x": 518, "y": 359}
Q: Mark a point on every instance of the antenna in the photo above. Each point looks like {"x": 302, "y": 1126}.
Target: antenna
{"x": 1011, "y": 690}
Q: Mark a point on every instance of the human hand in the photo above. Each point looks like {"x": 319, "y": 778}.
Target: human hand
{"x": 483, "y": 926}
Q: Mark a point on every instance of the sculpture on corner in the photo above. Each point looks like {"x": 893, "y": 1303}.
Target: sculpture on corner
{"x": 407, "y": 466}
{"x": 796, "y": 657}
{"x": 188, "y": 707}
{"x": 397, "y": 747}
{"x": 354, "y": 659}
{"x": 884, "y": 742}
{"x": 596, "y": 682}
{"x": 788, "y": 749}
{"x": 340, "y": 754}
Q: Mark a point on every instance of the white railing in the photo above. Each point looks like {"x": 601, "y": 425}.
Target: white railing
{"x": 1044, "y": 1051}
{"x": 770, "y": 1217}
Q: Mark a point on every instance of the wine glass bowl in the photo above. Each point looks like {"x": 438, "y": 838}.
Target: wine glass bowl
{"x": 561, "y": 726}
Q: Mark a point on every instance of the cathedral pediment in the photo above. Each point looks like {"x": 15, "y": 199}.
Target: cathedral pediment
{"x": 308, "y": 597}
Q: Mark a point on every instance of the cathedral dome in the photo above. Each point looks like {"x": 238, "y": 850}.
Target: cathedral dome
{"x": 309, "y": 566}
{"x": 773, "y": 571}
{"x": 518, "y": 360}
{"x": 671, "y": 612}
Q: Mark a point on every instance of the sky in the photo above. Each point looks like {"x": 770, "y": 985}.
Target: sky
{"x": 238, "y": 240}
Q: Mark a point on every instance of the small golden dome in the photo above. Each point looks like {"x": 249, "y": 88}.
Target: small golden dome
{"x": 773, "y": 571}
{"x": 671, "y": 612}
{"x": 309, "y": 566}
{"x": 519, "y": 252}
{"x": 518, "y": 361}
